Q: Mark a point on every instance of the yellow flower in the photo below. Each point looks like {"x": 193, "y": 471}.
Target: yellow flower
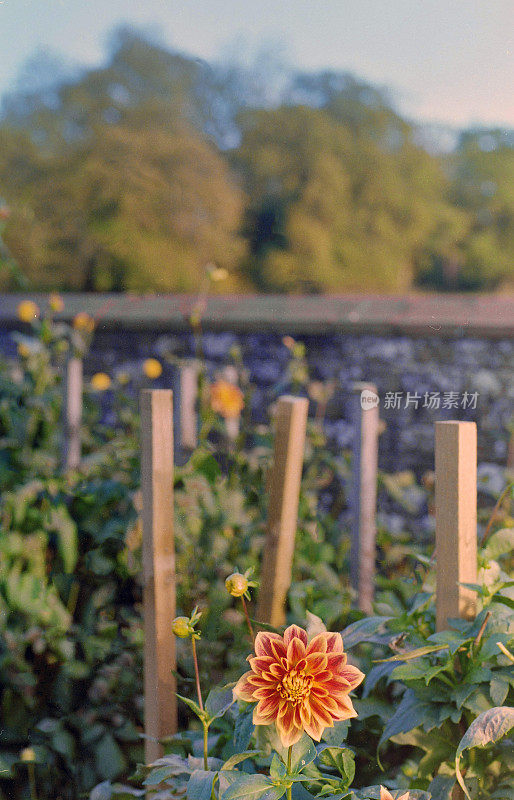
{"x": 152, "y": 368}
{"x": 299, "y": 685}
{"x": 83, "y": 322}
{"x": 56, "y": 302}
{"x": 28, "y": 311}
{"x": 385, "y": 794}
{"x": 28, "y": 754}
{"x": 23, "y": 350}
{"x": 226, "y": 399}
{"x": 217, "y": 273}
{"x": 100, "y": 381}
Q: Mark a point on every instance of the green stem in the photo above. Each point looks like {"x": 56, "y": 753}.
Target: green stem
{"x": 197, "y": 674}
{"x": 205, "y": 746}
{"x": 248, "y": 622}
{"x": 32, "y": 781}
{"x": 289, "y": 794}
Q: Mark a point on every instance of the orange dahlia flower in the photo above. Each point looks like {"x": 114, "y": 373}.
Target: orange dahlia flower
{"x": 300, "y": 685}
{"x": 226, "y": 399}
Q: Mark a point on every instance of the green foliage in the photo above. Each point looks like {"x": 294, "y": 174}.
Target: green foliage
{"x": 140, "y": 172}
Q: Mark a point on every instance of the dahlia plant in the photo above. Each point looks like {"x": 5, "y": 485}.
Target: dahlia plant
{"x": 292, "y": 703}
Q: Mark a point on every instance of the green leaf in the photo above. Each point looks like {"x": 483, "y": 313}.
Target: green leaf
{"x": 340, "y": 758}
{"x": 501, "y": 598}
{"x": 243, "y": 728}
{"x": 253, "y": 787}
{"x": 441, "y": 788}
{"x": 487, "y": 728}
{"x": 219, "y": 700}
{"x": 410, "y": 654}
{"x": 303, "y": 753}
{"x": 192, "y": 705}
{"x": 66, "y": 530}
{"x": 237, "y": 758}
{"x": 411, "y": 713}
{"x": 337, "y": 735}
{"x": 501, "y": 543}
{"x": 199, "y": 785}
{"x": 109, "y": 759}
{"x": 207, "y": 466}
{"x": 498, "y": 689}
{"x": 369, "y": 629}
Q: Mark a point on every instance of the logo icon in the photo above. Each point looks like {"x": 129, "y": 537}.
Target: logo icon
{"x": 369, "y": 399}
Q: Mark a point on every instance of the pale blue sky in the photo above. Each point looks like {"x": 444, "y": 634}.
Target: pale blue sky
{"x": 448, "y": 60}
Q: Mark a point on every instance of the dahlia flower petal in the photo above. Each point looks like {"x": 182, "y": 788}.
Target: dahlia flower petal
{"x": 265, "y": 711}
{"x": 294, "y": 632}
{"x": 295, "y": 651}
{"x": 320, "y": 710}
{"x": 353, "y": 675}
{"x": 315, "y": 662}
{"x": 263, "y": 643}
{"x": 334, "y": 643}
{"x": 336, "y": 661}
{"x": 244, "y": 690}
{"x": 277, "y": 670}
{"x": 261, "y": 663}
{"x": 318, "y": 644}
{"x": 314, "y": 729}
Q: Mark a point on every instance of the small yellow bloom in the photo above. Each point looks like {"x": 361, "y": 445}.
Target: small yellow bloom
{"x": 100, "y": 381}
{"x": 217, "y": 273}
{"x": 226, "y": 399}
{"x": 180, "y": 627}
{"x": 56, "y": 302}
{"x": 152, "y": 368}
{"x": 83, "y": 322}
{"x": 23, "y": 350}
{"x": 28, "y": 754}
{"x": 28, "y": 311}
{"x": 236, "y": 584}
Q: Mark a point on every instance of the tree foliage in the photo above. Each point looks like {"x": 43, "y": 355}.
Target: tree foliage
{"x": 134, "y": 175}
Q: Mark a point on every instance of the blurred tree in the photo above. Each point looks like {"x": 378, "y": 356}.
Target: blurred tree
{"x": 132, "y": 176}
{"x": 334, "y": 206}
{"x": 112, "y": 188}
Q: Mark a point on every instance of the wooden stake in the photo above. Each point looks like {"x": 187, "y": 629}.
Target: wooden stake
{"x": 158, "y": 567}
{"x": 72, "y": 414}
{"x": 363, "y": 498}
{"x": 188, "y": 393}
{"x": 291, "y": 423}
{"x": 456, "y": 519}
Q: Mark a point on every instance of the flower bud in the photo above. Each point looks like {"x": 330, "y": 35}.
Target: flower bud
{"x": 181, "y": 627}
{"x": 236, "y": 584}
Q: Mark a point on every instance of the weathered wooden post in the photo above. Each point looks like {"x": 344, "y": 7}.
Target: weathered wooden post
{"x": 286, "y": 476}
{"x": 363, "y": 497}
{"x": 72, "y": 416}
{"x": 188, "y": 394}
{"x": 455, "y": 519}
{"x": 158, "y": 567}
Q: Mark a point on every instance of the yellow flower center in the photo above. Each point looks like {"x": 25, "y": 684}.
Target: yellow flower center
{"x": 295, "y": 686}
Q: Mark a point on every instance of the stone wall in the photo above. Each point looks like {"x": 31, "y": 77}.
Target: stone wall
{"x": 396, "y": 364}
